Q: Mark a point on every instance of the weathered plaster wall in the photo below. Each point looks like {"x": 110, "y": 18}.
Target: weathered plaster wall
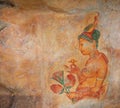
{"x": 41, "y": 37}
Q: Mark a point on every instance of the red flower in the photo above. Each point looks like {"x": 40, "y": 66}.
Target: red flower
{"x": 71, "y": 80}
{"x": 58, "y": 76}
{"x": 56, "y": 88}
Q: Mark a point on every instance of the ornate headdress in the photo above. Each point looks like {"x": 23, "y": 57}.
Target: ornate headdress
{"x": 90, "y": 33}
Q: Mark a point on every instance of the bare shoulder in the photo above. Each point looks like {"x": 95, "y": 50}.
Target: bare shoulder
{"x": 102, "y": 60}
{"x": 102, "y": 66}
{"x": 98, "y": 63}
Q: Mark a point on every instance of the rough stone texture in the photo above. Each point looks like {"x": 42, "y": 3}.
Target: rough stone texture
{"x": 40, "y": 37}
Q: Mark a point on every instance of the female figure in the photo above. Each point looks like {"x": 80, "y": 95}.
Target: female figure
{"x": 92, "y": 77}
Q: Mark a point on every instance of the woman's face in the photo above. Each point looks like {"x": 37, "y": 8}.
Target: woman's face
{"x": 86, "y": 47}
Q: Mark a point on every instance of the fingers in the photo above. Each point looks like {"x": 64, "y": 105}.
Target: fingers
{"x": 71, "y": 95}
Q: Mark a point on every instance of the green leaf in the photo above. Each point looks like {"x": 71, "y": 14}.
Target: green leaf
{"x": 3, "y": 25}
{"x": 62, "y": 91}
{"x": 69, "y": 87}
{"x": 73, "y": 100}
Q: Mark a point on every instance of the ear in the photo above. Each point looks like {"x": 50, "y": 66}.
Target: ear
{"x": 94, "y": 43}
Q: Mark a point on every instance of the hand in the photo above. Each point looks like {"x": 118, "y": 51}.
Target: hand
{"x": 71, "y": 95}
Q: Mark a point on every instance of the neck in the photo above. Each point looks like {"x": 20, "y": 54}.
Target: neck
{"x": 94, "y": 53}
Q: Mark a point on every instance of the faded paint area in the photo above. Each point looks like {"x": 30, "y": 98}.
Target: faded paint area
{"x": 39, "y": 41}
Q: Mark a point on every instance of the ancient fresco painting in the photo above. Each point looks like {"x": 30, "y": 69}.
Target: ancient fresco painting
{"x": 92, "y": 77}
{"x": 59, "y": 54}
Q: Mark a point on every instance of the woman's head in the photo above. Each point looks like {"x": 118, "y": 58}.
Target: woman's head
{"x": 86, "y": 47}
{"x": 88, "y": 41}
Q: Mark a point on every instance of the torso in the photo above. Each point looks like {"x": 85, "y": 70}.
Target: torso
{"x": 96, "y": 68}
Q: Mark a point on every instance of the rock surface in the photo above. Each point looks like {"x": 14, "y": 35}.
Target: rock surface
{"x": 40, "y": 37}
